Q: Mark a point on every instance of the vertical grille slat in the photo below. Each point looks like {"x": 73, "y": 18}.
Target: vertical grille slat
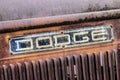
{"x": 117, "y": 61}
{"x": 106, "y": 70}
{"x": 85, "y": 66}
{"x": 56, "y": 72}
{"x": 110, "y": 62}
{"x": 64, "y": 68}
{"x": 43, "y": 70}
{"x": 38, "y": 71}
{"x": 4, "y": 71}
{"x": 94, "y": 66}
{"x": 27, "y": 73}
{"x": 98, "y": 67}
{"x": 102, "y": 66}
{"x": 12, "y": 71}
{"x": 9, "y": 73}
{"x": 70, "y": 67}
{"x": 20, "y": 77}
{"x": 34, "y": 70}
{"x": 78, "y": 67}
{"x": 50, "y": 70}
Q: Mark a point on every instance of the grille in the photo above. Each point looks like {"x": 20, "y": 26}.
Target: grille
{"x": 95, "y": 66}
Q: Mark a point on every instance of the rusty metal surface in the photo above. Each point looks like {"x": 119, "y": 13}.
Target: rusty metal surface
{"x": 4, "y": 40}
{"x": 97, "y": 66}
{"x": 13, "y": 10}
{"x": 32, "y": 23}
{"x": 104, "y": 58}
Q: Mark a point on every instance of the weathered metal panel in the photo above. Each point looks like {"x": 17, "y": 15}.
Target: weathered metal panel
{"x": 61, "y": 64}
{"x": 13, "y": 10}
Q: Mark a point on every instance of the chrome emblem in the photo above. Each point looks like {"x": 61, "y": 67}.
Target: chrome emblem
{"x": 56, "y": 40}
